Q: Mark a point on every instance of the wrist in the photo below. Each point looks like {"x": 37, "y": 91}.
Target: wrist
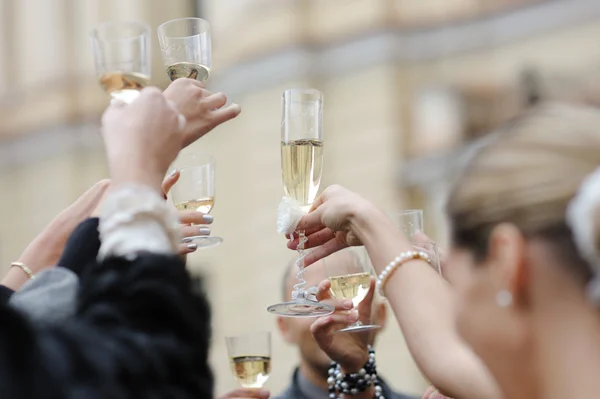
{"x": 354, "y": 365}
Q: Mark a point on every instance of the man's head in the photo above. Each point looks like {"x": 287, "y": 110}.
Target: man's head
{"x": 296, "y": 330}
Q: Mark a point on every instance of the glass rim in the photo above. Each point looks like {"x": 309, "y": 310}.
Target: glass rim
{"x": 249, "y": 334}
{"x": 409, "y": 211}
{"x": 191, "y": 155}
{"x": 162, "y": 27}
{"x": 309, "y": 91}
{"x": 144, "y": 30}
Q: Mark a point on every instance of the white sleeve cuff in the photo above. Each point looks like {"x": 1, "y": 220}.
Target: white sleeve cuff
{"x": 136, "y": 219}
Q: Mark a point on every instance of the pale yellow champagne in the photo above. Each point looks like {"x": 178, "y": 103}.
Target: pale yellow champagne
{"x": 188, "y": 70}
{"x": 123, "y": 86}
{"x": 251, "y": 371}
{"x": 302, "y": 164}
{"x": 351, "y": 286}
{"x": 203, "y": 205}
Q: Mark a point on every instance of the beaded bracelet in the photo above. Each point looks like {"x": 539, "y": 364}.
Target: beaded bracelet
{"x": 352, "y": 384}
{"x": 396, "y": 262}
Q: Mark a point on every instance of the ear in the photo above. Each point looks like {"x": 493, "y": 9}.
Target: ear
{"x": 507, "y": 259}
{"x": 286, "y": 332}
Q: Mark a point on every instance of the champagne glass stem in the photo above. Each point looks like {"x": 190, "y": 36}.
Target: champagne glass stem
{"x": 299, "y": 286}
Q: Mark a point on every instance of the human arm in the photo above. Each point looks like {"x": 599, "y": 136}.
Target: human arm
{"x": 340, "y": 218}
{"x": 44, "y": 251}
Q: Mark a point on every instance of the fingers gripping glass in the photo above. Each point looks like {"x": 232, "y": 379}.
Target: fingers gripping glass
{"x": 349, "y": 272}
{"x": 185, "y": 44}
{"x": 301, "y": 165}
{"x": 122, "y": 57}
{"x": 250, "y": 358}
{"x": 195, "y": 191}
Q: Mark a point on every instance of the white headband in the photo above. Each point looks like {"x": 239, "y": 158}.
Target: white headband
{"x": 580, "y": 217}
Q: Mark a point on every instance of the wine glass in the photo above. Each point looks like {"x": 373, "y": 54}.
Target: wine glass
{"x": 411, "y": 221}
{"x": 250, "y": 358}
{"x": 186, "y": 48}
{"x": 349, "y": 272}
{"x": 301, "y": 165}
{"x": 195, "y": 190}
{"x": 122, "y": 58}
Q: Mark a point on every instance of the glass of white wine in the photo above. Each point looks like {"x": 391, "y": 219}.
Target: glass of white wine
{"x": 186, "y": 48}
{"x": 250, "y": 358}
{"x": 195, "y": 190}
{"x": 122, "y": 58}
{"x": 301, "y": 165}
{"x": 349, "y": 272}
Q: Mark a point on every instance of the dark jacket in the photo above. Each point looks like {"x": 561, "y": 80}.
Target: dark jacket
{"x": 294, "y": 392}
{"x": 139, "y": 332}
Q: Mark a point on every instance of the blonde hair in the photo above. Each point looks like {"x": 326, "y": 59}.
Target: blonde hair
{"x": 527, "y": 175}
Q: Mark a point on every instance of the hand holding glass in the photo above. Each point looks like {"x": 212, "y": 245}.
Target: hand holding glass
{"x": 195, "y": 190}
{"x": 349, "y": 272}
{"x": 186, "y": 48}
{"x": 122, "y": 58}
{"x": 301, "y": 166}
{"x": 250, "y": 358}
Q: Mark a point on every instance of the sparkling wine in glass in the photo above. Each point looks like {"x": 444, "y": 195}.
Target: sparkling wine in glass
{"x": 349, "y": 272}
{"x": 195, "y": 190}
{"x": 301, "y": 166}
{"x": 122, "y": 58}
{"x": 186, "y": 48}
{"x": 250, "y": 358}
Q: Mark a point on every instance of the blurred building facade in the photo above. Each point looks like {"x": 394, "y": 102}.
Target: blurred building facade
{"x": 407, "y": 84}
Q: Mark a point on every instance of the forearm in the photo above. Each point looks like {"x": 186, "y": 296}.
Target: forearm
{"x": 424, "y": 306}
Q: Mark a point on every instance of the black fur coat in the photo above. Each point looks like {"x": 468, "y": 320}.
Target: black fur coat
{"x": 139, "y": 332}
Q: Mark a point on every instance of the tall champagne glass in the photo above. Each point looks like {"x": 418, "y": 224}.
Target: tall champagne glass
{"x": 186, "y": 48}
{"x": 122, "y": 58}
{"x": 301, "y": 165}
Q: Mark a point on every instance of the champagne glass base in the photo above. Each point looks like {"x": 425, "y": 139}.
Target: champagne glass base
{"x": 359, "y": 328}
{"x": 203, "y": 241}
{"x": 301, "y": 308}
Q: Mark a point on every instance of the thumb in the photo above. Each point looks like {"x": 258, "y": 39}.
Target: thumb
{"x": 170, "y": 181}
{"x": 364, "y": 307}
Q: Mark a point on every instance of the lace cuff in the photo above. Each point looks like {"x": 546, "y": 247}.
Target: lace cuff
{"x": 136, "y": 219}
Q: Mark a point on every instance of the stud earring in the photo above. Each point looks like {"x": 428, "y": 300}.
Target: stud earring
{"x": 504, "y": 299}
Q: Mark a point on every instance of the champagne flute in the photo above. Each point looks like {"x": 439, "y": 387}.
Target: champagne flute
{"x": 411, "y": 221}
{"x": 122, "y": 58}
{"x": 301, "y": 164}
{"x": 195, "y": 190}
{"x": 250, "y": 358}
{"x": 349, "y": 272}
{"x": 186, "y": 48}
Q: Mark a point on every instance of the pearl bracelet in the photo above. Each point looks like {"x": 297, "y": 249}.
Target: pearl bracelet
{"x": 396, "y": 262}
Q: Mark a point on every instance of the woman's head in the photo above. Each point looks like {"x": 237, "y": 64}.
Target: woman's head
{"x": 508, "y": 217}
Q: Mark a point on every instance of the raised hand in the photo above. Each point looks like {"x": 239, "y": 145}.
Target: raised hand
{"x": 328, "y": 225}
{"x": 189, "y": 219}
{"x": 203, "y": 110}
{"x": 45, "y": 250}
{"x": 349, "y": 350}
{"x": 142, "y": 139}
